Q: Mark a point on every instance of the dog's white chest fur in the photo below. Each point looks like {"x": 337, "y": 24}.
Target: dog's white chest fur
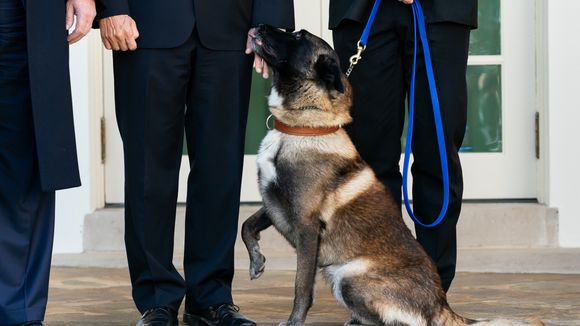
{"x": 266, "y": 155}
{"x": 269, "y": 147}
{"x": 266, "y": 160}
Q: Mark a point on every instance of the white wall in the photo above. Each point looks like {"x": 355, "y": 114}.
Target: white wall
{"x": 564, "y": 116}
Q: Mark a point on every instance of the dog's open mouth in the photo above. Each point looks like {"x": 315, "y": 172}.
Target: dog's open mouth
{"x": 262, "y": 45}
{"x": 256, "y": 40}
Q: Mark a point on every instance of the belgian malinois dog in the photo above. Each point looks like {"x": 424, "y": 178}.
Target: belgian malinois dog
{"x": 327, "y": 202}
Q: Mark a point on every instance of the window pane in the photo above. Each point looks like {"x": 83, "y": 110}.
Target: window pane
{"x": 486, "y": 40}
{"x": 484, "y": 124}
{"x": 256, "y": 128}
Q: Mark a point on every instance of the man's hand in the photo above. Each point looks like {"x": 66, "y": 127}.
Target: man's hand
{"x": 85, "y": 12}
{"x": 259, "y": 64}
{"x": 119, "y": 33}
{"x": 407, "y": 2}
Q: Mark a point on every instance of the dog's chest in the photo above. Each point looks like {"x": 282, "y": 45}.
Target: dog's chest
{"x": 269, "y": 148}
{"x": 267, "y": 160}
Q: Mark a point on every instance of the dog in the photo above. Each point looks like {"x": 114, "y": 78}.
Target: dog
{"x": 327, "y": 202}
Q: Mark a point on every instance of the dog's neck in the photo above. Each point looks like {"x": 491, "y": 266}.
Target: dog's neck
{"x": 307, "y": 114}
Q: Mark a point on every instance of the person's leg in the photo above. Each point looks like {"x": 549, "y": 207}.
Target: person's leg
{"x": 215, "y": 126}
{"x": 378, "y": 93}
{"x": 449, "y": 50}
{"x": 150, "y": 94}
{"x": 26, "y": 213}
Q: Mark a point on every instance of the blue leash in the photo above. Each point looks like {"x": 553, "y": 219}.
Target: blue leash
{"x": 418, "y": 24}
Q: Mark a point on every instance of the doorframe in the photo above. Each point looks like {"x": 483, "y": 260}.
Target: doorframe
{"x": 542, "y": 99}
{"x": 96, "y": 108}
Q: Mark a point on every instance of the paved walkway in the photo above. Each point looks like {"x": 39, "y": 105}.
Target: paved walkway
{"x": 97, "y": 296}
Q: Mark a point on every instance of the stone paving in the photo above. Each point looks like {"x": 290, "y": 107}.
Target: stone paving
{"x": 98, "y": 296}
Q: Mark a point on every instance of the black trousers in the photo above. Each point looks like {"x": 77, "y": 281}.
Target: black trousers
{"x": 159, "y": 92}
{"x": 380, "y": 84}
{"x": 26, "y": 213}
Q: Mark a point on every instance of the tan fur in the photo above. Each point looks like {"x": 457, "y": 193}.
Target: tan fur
{"x": 346, "y": 193}
{"x": 334, "y": 107}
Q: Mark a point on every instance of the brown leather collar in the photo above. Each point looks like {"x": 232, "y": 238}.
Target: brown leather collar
{"x": 304, "y": 131}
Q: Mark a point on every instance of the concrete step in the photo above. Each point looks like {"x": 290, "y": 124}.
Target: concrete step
{"x": 493, "y": 237}
{"x": 489, "y": 225}
{"x": 481, "y": 260}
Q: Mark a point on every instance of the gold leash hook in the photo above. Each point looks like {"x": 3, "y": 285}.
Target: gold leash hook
{"x": 359, "y": 51}
{"x": 355, "y": 58}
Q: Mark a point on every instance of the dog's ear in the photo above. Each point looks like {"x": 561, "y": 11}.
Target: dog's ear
{"x": 328, "y": 71}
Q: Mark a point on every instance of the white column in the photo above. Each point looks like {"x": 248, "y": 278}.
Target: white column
{"x": 73, "y": 205}
{"x": 563, "y": 113}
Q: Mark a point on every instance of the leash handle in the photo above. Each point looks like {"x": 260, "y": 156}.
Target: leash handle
{"x": 419, "y": 24}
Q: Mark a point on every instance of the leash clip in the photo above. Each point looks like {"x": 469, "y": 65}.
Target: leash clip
{"x": 360, "y": 49}
{"x": 356, "y": 57}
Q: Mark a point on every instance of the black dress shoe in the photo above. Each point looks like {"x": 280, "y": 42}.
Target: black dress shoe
{"x": 225, "y": 314}
{"x": 161, "y": 316}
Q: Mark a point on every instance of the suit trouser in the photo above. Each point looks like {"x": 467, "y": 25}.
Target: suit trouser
{"x": 159, "y": 92}
{"x": 380, "y": 84}
{"x": 26, "y": 213}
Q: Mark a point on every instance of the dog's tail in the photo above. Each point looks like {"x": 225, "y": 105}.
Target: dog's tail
{"x": 448, "y": 317}
{"x": 505, "y": 322}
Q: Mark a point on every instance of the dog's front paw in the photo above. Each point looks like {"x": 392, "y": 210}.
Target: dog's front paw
{"x": 291, "y": 323}
{"x": 353, "y": 322}
{"x": 356, "y": 321}
{"x": 257, "y": 266}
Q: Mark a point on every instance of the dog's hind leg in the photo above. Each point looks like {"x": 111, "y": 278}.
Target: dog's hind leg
{"x": 367, "y": 299}
{"x": 348, "y": 293}
{"x": 251, "y": 229}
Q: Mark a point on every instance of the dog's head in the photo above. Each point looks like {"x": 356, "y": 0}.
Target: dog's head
{"x": 309, "y": 88}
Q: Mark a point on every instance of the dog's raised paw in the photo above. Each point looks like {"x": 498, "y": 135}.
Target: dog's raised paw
{"x": 257, "y": 266}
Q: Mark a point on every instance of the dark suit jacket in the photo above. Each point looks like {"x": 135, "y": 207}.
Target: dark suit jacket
{"x": 48, "y": 62}
{"x": 456, "y": 11}
{"x": 221, "y": 24}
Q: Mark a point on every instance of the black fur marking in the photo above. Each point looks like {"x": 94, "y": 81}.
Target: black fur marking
{"x": 328, "y": 71}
